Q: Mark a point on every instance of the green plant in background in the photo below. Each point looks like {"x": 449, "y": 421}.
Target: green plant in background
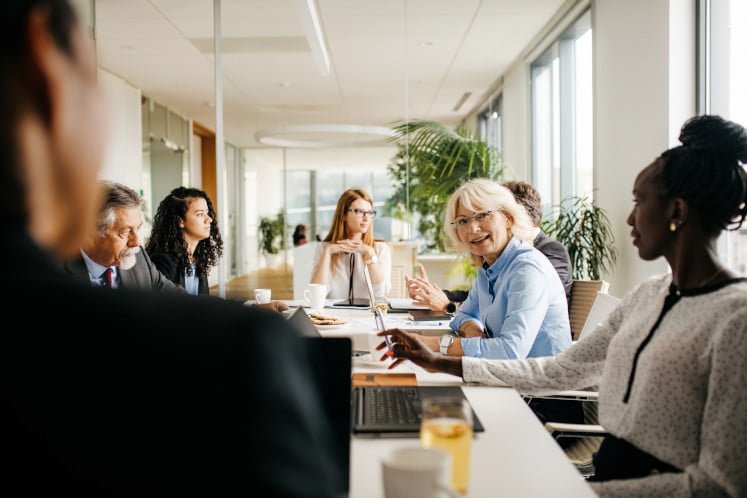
{"x": 440, "y": 159}
{"x": 463, "y": 268}
{"x": 272, "y": 234}
{"x": 584, "y": 229}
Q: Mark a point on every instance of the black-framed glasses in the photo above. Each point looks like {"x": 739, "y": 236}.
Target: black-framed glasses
{"x": 463, "y": 222}
{"x": 359, "y": 213}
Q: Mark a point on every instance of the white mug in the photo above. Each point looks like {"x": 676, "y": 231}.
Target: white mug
{"x": 415, "y": 472}
{"x": 373, "y": 341}
{"x": 262, "y": 296}
{"x": 315, "y": 295}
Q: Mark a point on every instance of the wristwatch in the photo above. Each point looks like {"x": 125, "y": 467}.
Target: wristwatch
{"x": 451, "y": 308}
{"x": 444, "y": 343}
{"x": 372, "y": 260}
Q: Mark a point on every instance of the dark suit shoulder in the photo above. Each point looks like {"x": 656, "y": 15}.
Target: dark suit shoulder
{"x": 557, "y": 254}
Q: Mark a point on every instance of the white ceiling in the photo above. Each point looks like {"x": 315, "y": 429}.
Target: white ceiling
{"x": 164, "y": 47}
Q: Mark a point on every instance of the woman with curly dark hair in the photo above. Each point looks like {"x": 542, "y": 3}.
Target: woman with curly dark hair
{"x": 185, "y": 242}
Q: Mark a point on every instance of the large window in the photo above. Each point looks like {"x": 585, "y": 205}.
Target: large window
{"x": 490, "y": 121}
{"x": 312, "y": 197}
{"x": 562, "y": 116}
{"x": 722, "y": 83}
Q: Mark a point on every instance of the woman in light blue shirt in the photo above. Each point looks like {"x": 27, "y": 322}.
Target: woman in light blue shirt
{"x": 517, "y": 307}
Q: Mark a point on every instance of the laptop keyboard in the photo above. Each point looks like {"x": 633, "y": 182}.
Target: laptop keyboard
{"x": 400, "y": 406}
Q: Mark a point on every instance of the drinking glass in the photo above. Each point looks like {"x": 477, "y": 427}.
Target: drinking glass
{"x": 447, "y": 425}
{"x": 380, "y": 303}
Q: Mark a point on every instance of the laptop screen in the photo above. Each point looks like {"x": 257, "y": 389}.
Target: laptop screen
{"x": 330, "y": 360}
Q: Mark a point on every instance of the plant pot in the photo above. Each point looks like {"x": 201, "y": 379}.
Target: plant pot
{"x": 273, "y": 260}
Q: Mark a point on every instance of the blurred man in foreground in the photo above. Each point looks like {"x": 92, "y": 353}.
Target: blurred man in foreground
{"x": 124, "y": 393}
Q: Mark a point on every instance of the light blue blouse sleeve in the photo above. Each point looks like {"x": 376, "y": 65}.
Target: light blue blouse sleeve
{"x": 527, "y": 302}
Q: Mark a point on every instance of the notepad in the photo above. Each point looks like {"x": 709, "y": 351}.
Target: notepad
{"x": 363, "y": 379}
{"x": 428, "y": 315}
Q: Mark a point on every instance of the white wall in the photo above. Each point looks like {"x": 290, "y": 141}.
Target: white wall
{"x": 123, "y": 161}
{"x": 644, "y": 75}
{"x": 516, "y": 122}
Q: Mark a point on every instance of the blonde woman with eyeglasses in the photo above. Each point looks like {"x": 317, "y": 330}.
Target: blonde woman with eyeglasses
{"x": 517, "y": 307}
{"x": 348, "y": 248}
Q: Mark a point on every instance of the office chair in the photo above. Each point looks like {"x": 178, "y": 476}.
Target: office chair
{"x": 583, "y": 295}
{"x": 590, "y": 434}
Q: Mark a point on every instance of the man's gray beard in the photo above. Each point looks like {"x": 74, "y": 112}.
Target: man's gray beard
{"x": 129, "y": 259}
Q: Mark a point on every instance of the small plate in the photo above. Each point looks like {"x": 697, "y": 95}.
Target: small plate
{"x": 330, "y": 327}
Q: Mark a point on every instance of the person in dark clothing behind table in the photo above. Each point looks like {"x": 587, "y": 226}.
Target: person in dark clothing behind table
{"x": 124, "y": 393}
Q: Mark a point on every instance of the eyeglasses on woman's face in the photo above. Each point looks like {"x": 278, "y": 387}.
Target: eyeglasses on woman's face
{"x": 463, "y": 222}
{"x": 360, "y": 213}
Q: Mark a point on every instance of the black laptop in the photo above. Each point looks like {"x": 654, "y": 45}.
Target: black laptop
{"x": 330, "y": 360}
{"x": 395, "y": 411}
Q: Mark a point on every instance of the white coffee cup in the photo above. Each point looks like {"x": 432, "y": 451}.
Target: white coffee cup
{"x": 415, "y": 472}
{"x": 373, "y": 341}
{"x": 315, "y": 294}
{"x": 262, "y": 296}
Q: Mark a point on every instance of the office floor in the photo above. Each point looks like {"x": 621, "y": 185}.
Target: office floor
{"x": 242, "y": 288}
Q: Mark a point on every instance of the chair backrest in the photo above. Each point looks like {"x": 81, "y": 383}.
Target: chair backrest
{"x": 403, "y": 261}
{"x": 600, "y": 310}
{"x": 303, "y": 259}
{"x": 583, "y": 294}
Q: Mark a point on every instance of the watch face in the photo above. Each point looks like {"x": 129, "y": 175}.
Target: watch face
{"x": 451, "y": 308}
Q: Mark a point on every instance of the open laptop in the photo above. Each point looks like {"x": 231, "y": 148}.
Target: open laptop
{"x": 303, "y": 324}
{"x": 330, "y": 360}
{"x": 394, "y": 411}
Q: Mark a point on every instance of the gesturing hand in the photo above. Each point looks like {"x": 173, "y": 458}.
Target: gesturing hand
{"x": 425, "y": 293}
{"x": 406, "y": 346}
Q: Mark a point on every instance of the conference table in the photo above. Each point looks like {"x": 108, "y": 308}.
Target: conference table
{"x": 514, "y": 457}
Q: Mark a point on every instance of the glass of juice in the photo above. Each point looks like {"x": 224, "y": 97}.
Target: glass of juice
{"x": 381, "y": 304}
{"x": 447, "y": 425}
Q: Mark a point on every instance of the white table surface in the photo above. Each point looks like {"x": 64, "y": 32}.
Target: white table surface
{"x": 514, "y": 457}
{"x": 360, "y": 325}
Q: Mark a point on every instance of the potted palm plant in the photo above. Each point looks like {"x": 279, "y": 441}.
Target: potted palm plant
{"x": 429, "y": 167}
{"x": 272, "y": 238}
{"x": 584, "y": 229}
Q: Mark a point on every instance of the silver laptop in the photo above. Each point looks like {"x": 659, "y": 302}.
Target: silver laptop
{"x": 378, "y": 315}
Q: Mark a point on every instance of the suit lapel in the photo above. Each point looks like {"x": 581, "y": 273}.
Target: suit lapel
{"x": 127, "y": 278}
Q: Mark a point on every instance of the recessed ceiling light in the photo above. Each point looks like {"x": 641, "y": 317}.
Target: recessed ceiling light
{"x": 425, "y": 43}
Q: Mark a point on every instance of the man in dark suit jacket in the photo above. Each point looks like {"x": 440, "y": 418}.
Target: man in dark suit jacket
{"x": 431, "y": 295}
{"x": 112, "y": 256}
{"x": 124, "y": 393}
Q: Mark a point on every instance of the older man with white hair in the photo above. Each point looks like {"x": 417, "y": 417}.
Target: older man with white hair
{"x": 112, "y": 256}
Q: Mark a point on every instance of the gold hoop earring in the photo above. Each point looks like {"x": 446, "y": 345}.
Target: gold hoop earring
{"x": 673, "y": 227}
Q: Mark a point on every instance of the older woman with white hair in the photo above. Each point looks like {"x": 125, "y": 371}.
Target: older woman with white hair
{"x": 517, "y": 307}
